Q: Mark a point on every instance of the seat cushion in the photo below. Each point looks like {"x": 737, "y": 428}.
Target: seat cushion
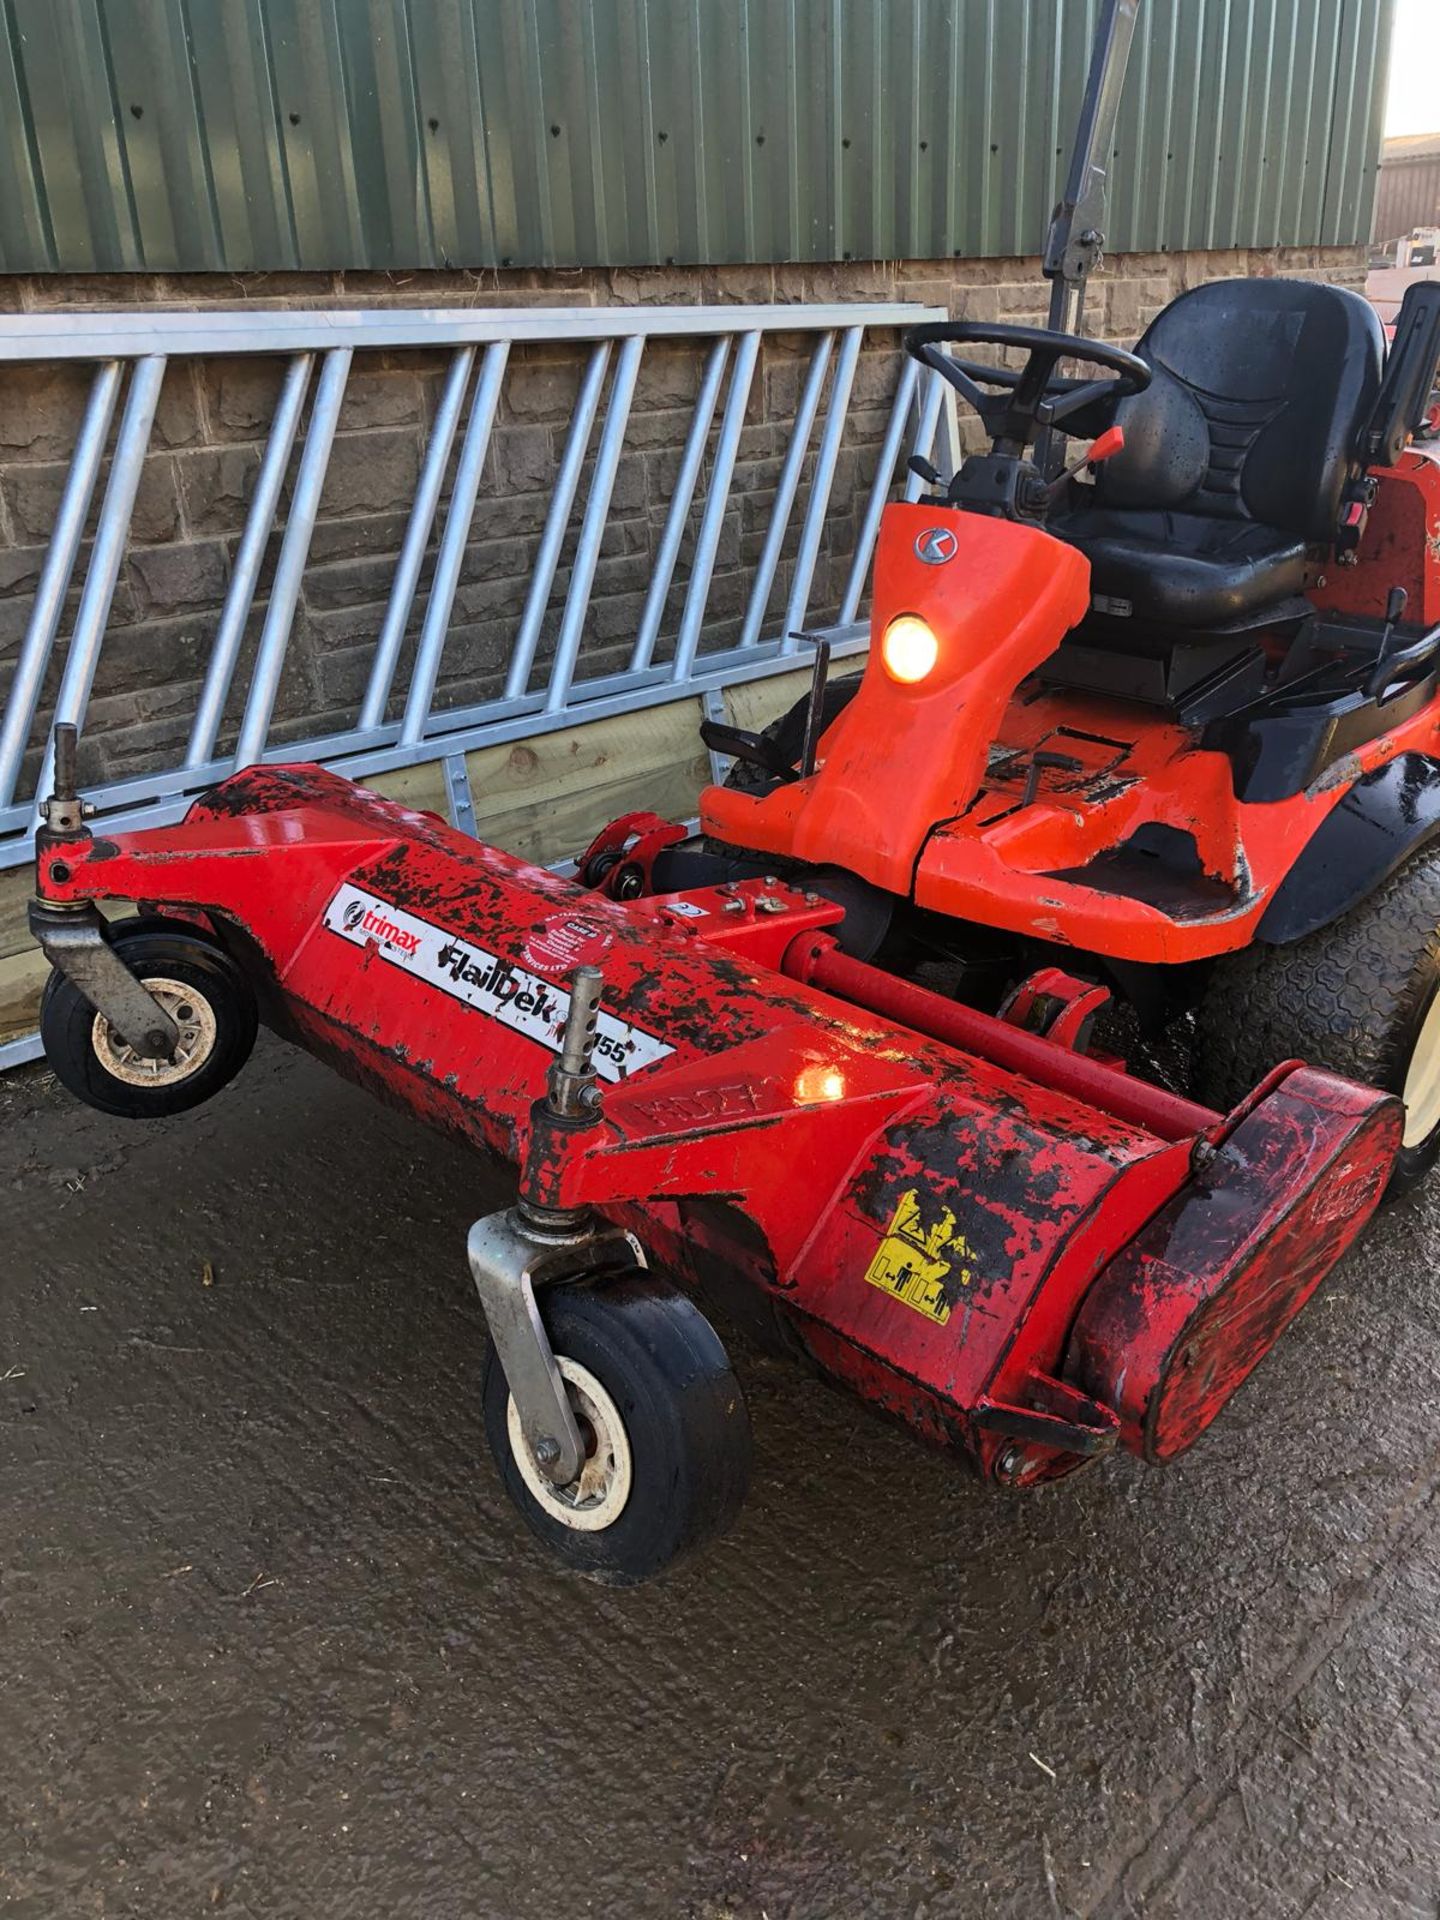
{"x": 1182, "y": 570}
{"x": 1260, "y": 390}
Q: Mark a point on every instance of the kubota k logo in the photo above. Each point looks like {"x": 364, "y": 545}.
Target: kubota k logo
{"x": 936, "y": 545}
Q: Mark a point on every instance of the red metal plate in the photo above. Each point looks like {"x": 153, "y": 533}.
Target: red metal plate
{"x": 1178, "y": 1321}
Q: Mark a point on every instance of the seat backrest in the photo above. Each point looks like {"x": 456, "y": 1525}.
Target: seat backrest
{"x": 1261, "y": 390}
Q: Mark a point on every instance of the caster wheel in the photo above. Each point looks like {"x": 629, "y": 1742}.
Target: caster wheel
{"x": 202, "y": 990}
{"x": 1360, "y": 997}
{"x": 664, "y": 1422}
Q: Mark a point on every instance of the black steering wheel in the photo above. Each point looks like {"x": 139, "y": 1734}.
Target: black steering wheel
{"x": 1031, "y": 400}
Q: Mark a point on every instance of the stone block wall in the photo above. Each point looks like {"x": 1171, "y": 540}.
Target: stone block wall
{"x": 213, "y": 416}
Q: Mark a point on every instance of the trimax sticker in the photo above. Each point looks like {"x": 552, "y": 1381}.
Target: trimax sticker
{"x": 915, "y": 1259}
{"x": 497, "y": 988}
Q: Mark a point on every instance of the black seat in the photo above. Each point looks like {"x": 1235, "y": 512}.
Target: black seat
{"x": 1236, "y": 458}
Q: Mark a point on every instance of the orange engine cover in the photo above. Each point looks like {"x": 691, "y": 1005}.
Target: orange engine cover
{"x": 901, "y": 759}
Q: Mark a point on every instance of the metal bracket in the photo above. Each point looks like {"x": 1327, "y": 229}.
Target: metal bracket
{"x": 462, "y": 800}
{"x": 508, "y": 1263}
{"x": 75, "y": 942}
{"x": 534, "y": 1244}
{"x": 712, "y": 705}
{"x": 1076, "y": 241}
{"x": 815, "y": 716}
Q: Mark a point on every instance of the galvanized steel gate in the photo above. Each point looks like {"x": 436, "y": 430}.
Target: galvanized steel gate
{"x": 395, "y": 724}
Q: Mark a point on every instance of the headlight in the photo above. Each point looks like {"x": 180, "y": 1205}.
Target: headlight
{"x": 909, "y": 649}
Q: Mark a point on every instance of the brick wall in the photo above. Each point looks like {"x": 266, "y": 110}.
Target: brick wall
{"x": 213, "y": 416}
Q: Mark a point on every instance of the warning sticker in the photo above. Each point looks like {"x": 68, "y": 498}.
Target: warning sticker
{"x": 498, "y": 988}
{"x": 565, "y": 942}
{"x": 914, "y": 1260}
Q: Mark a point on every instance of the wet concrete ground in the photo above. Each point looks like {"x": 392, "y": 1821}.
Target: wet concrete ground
{"x": 274, "y": 1644}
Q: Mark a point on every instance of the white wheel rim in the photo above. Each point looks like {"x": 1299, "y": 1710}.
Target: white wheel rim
{"x": 194, "y": 1018}
{"x": 597, "y": 1498}
{"x": 1422, "y": 1081}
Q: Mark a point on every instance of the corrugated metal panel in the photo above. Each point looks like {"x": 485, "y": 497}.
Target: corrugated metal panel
{"x": 1409, "y": 193}
{"x": 193, "y": 134}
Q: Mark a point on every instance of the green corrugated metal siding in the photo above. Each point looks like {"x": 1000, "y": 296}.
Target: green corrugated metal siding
{"x": 193, "y": 134}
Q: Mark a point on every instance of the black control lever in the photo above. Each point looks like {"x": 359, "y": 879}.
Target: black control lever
{"x": 1039, "y": 762}
{"x": 736, "y": 744}
{"x": 924, "y": 469}
{"x": 1388, "y": 664}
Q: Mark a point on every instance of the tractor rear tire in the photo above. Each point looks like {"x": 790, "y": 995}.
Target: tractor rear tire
{"x": 788, "y": 735}
{"x": 1360, "y": 997}
{"x": 667, "y": 1431}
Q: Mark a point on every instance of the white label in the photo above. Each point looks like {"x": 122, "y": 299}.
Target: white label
{"x": 497, "y": 988}
{"x": 687, "y": 909}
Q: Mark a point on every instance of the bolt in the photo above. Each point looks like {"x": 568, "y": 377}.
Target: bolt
{"x": 812, "y": 899}
{"x": 547, "y": 1451}
{"x": 1010, "y": 1463}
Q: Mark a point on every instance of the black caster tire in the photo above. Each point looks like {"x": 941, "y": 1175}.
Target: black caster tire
{"x": 1359, "y": 998}
{"x": 201, "y": 988}
{"x": 664, "y": 1419}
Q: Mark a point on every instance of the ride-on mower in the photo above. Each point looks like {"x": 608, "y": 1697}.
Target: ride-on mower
{"x": 1157, "y": 726}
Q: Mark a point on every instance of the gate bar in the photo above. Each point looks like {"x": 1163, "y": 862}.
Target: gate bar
{"x": 107, "y": 553}
{"x": 240, "y": 594}
{"x": 294, "y": 549}
{"x": 678, "y": 517}
{"x": 825, "y": 461}
{"x": 592, "y": 530}
{"x": 879, "y": 491}
{"x": 458, "y": 521}
{"x": 19, "y": 716}
{"x": 417, "y": 539}
{"x": 707, "y": 544}
{"x": 785, "y": 490}
{"x": 557, "y": 521}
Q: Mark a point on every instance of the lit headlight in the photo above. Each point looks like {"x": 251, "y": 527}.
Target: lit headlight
{"x": 909, "y": 649}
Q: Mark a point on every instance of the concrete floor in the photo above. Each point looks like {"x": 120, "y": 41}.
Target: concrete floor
{"x": 274, "y": 1644}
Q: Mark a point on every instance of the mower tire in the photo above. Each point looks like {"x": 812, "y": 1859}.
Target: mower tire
{"x": 203, "y": 991}
{"x": 1360, "y": 997}
{"x": 664, "y": 1421}
{"x": 787, "y": 734}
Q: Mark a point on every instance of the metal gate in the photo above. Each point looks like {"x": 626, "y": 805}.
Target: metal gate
{"x": 549, "y": 680}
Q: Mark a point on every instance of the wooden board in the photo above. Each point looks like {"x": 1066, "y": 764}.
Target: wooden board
{"x": 545, "y": 799}
{"x": 755, "y": 705}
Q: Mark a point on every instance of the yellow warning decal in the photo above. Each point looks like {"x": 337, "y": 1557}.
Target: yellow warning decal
{"x": 913, "y": 1261}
